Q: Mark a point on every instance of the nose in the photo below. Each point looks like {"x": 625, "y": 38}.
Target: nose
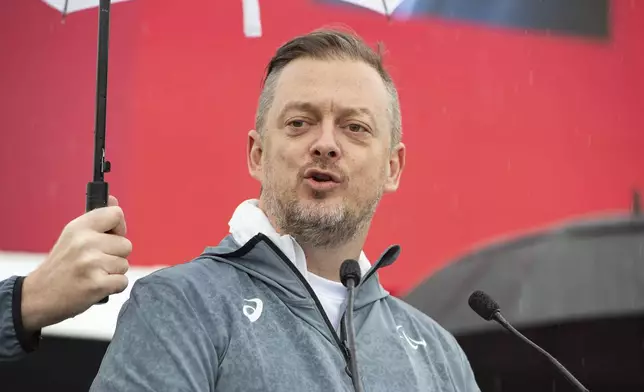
{"x": 326, "y": 145}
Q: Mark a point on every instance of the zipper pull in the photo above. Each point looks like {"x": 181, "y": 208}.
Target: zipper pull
{"x": 345, "y": 345}
{"x": 347, "y": 356}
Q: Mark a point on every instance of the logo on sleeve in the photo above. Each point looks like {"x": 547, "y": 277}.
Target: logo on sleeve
{"x": 254, "y": 309}
{"x": 413, "y": 343}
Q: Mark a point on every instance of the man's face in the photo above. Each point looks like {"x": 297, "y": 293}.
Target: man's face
{"x": 325, "y": 157}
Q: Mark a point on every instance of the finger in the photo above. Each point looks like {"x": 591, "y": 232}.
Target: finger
{"x": 121, "y": 228}
{"x": 114, "y": 284}
{"x": 101, "y": 219}
{"x": 112, "y": 201}
{"x": 114, "y": 265}
{"x": 112, "y": 245}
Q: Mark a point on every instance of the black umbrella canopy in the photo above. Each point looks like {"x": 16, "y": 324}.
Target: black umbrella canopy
{"x": 586, "y": 269}
{"x": 575, "y": 289}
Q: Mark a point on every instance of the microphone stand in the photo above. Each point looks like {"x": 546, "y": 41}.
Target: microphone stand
{"x": 488, "y": 309}
{"x": 351, "y": 337}
{"x": 350, "y": 278}
{"x": 498, "y": 317}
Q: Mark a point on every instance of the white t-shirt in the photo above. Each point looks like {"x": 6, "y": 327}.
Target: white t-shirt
{"x": 248, "y": 220}
{"x": 332, "y": 296}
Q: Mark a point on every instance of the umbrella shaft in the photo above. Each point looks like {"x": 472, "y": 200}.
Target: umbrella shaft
{"x": 101, "y": 89}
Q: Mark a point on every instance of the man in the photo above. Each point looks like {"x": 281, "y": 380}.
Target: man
{"x": 262, "y": 310}
{"x": 85, "y": 265}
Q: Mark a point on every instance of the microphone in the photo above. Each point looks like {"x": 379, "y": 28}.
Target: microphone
{"x": 350, "y": 277}
{"x": 488, "y": 309}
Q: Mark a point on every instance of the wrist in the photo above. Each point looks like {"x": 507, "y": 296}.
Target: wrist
{"x": 27, "y": 337}
{"x": 31, "y": 307}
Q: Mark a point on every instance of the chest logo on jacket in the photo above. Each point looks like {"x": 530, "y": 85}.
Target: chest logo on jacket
{"x": 254, "y": 311}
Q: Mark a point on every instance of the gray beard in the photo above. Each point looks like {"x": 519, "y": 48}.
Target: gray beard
{"x": 316, "y": 229}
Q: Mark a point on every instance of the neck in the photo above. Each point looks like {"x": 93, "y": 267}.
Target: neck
{"x": 326, "y": 261}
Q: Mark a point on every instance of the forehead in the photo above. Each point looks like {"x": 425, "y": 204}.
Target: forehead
{"x": 332, "y": 83}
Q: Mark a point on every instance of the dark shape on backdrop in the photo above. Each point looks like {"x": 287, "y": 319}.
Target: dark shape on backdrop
{"x": 577, "y": 290}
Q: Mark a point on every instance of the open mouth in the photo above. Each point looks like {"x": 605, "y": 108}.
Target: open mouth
{"x": 321, "y": 177}
{"x": 322, "y": 180}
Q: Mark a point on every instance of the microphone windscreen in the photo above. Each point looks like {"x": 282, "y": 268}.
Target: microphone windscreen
{"x": 350, "y": 269}
{"x": 483, "y": 304}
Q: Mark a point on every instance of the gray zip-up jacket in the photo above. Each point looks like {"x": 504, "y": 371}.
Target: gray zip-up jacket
{"x": 242, "y": 318}
{"x": 15, "y": 342}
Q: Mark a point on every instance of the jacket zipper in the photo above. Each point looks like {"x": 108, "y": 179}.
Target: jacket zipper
{"x": 341, "y": 343}
{"x": 343, "y": 348}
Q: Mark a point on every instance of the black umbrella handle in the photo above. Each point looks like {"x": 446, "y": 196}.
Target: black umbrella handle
{"x": 96, "y": 195}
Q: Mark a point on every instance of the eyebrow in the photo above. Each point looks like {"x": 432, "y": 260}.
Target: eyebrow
{"x": 300, "y": 106}
{"x": 311, "y": 108}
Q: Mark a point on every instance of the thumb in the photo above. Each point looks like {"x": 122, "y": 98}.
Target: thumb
{"x": 102, "y": 219}
{"x": 121, "y": 228}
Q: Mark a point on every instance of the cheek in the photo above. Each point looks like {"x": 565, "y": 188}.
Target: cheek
{"x": 368, "y": 178}
{"x": 281, "y": 165}
{"x": 287, "y": 159}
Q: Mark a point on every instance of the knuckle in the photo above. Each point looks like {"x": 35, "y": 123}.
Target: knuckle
{"x": 80, "y": 239}
{"x": 117, "y": 212}
{"x": 96, "y": 286}
{"x": 90, "y": 284}
{"x": 98, "y": 281}
{"x": 90, "y": 258}
{"x": 72, "y": 229}
{"x": 70, "y": 226}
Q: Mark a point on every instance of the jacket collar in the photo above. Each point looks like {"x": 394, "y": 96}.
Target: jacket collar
{"x": 264, "y": 260}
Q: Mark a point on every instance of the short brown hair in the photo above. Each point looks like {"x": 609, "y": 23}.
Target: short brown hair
{"x": 327, "y": 44}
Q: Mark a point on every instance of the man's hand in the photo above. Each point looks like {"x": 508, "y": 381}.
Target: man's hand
{"x": 86, "y": 265}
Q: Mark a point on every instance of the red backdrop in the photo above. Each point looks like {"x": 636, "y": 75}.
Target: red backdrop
{"x": 506, "y": 129}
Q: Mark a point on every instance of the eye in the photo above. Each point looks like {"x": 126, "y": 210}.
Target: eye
{"x": 356, "y": 128}
{"x": 298, "y": 124}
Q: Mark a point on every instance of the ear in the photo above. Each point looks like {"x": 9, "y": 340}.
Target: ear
{"x": 396, "y": 166}
{"x": 254, "y": 152}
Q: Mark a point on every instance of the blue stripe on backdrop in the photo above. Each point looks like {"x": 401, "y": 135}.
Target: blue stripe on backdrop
{"x": 585, "y": 18}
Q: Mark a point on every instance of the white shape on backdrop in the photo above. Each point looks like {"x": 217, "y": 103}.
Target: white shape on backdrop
{"x": 385, "y": 7}
{"x": 253, "y": 21}
{"x": 252, "y": 18}
{"x": 99, "y": 321}
{"x": 251, "y": 13}
{"x": 74, "y": 5}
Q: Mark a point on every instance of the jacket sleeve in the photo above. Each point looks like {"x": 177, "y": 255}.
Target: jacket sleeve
{"x": 466, "y": 381}
{"x": 159, "y": 344}
{"x": 15, "y": 342}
